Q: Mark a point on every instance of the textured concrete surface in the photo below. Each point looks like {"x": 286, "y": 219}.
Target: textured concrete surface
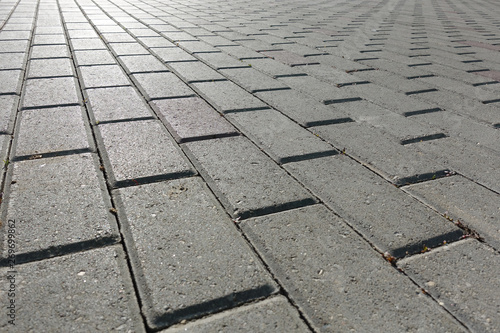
{"x": 264, "y": 166}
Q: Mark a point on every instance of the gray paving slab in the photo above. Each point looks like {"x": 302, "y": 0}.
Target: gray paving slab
{"x": 129, "y": 162}
{"x": 103, "y": 76}
{"x": 465, "y": 202}
{"x": 278, "y": 136}
{"x": 49, "y": 51}
{"x": 195, "y": 71}
{"x": 253, "y": 80}
{"x": 120, "y": 49}
{"x": 50, "y": 92}
{"x": 191, "y": 119}
{"x": 221, "y": 60}
{"x": 142, "y": 64}
{"x": 391, "y": 220}
{"x": 274, "y": 314}
{"x": 12, "y": 60}
{"x": 468, "y": 288}
{"x": 337, "y": 280}
{"x": 162, "y": 85}
{"x": 88, "y": 44}
{"x": 78, "y": 292}
{"x": 116, "y": 103}
{"x": 198, "y": 249}
{"x": 49, "y": 40}
{"x": 93, "y": 57}
{"x": 50, "y": 68}
{"x": 172, "y": 54}
{"x": 53, "y": 130}
{"x": 67, "y": 206}
{"x": 243, "y": 178}
{"x": 273, "y": 67}
{"x": 10, "y": 81}
{"x": 13, "y": 46}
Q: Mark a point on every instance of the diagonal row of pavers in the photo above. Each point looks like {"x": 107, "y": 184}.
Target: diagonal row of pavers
{"x": 266, "y": 166}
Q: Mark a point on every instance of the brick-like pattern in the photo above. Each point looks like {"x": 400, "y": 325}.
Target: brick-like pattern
{"x": 264, "y": 166}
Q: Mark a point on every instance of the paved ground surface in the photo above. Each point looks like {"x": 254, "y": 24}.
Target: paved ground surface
{"x": 250, "y": 166}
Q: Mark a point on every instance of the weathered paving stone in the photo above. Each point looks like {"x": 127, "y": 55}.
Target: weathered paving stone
{"x": 58, "y": 204}
{"x": 253, "y": 80}
{"x": 93, "y": 57}
{"x": 396, "y": 163}
{"x": 103, "y": 76}
{"x": 49, "y": 51}
{"x": 211, "y": 267}
{"x": 162, "y": 85}
{"x": 246, "y": 181}
{"x": 468, "y": 287}
{"x": 8, "y": 105}
{"x": 278, "y": 136}
{"x": 337, "y": 280}
{"x": 273, "y": 67}
{"x": 392, "y": 220}
{"x": 195, "y": 71}
{"x": 117, "y": 103}
{"x": 226, "y": 96}
{"x": 77, "y": 292}
{"x": 121, "y": 49}
{"x": 172, "y": 54}
{"x": 49, "y": 40}
{"x": 51, "y": 130}
{"x": 50, "y": 68}
{"x": 192, "y": 118}
{"x": 50, "y": 92}
{"x": 303, "y": 109}
{"x": 142, "y": 64}
{"x": 270, "y": 315}
{"x": 12, "y": 60}
{"x": 10, "y": 82}
{"x": 221, "y": 60}
{"x": 131, "y": 163}
{"x": 13, "y": 46}
{"x": 463, "y": 200}
{"x": 88, "y": 44}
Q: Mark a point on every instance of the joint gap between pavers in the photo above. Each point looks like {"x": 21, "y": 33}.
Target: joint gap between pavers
{"x": 346, "y": 84}
{"x": 484, "y": 83}
{"x": 208, "y": 137}
{"x": 59, "y": 251}
{"x": 430, "y": 137}
{"x": 152, "y": 71}
{"x": 329, "y": 122}
{"x": 420, "y": 178}
{"x": 37, "y": 156}
{"x": 104, "y": 87}
{"x": 420, "y": 76}
{"x": 204, "y": 81}
{"x": 247, "y": 109}
{"x": 123, "y": 120}
{"x": 48, "y": 77}
{"x": 342, "y": 100}
{"x": 491, "y": 101}
{"x": 270, "y": 89}
{"x": 152, "y": 179}
{"x": 169, "y": 97}
{"x": 424, "y": 91}
{"x": 309, "y": 156}
{"x": 49, "y": 106}
{"x": 419, "y": 112}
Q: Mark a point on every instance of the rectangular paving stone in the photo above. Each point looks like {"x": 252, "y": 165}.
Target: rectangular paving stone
{"x": 82, "y": 33}
{"x": 196, "y": 46}
{"x": 93, "y": 57}
{"x": 50, "y": 92}
{"x": 117, "y": 103}
{"x": 142, "y": 64}
{"x": 8, "y": 106}
{"x": 241, "y": 52}
{"x": 195, "y": 71}
{"x": 88, "y": 44}
{"x": 245, "y": 180}
{"x": 226, "y": 96}
{"x": 120, "y": 49}
{"x": 221, "y": 60}
{"x": 139, "y": 151}
{"x": 212, "y": 268}
{"x": 49, "y": 51}
{"x": 337, "y": 280}
{"x": 253, "y": 80}
{"x": 67, "y": 206}
{"x": 49, "y": 40}
{"x": 13, "y": 46}
{"x": 278, "y": 136}
{"x": 74, "y": 292}
{"x": 468, "y": 287}
{"x": 299, "y": 107}
{"x": 50, "y": 68}
{"x": 50, "y": 131}
{"x": 172, "y": 54}
{"x": 273, "y": 314}
{"x": 191, "y": 119}
{"x": 161, "y": 85}
{"x": 156, "y": 42}
{"x": 10, "y": 61}
{"x": 273, "y": 67}
{"x": 463, "y": 200}
{"x": 373, "y": 147}
{"x": 393, "y": 221}
{"x": 118, "y": 37}
{"x": 103, "y": 76}
{"x": 10, "y": 82}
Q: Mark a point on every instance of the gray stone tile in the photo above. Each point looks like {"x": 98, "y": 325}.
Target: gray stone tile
{"x": 468, "y": 287}
{"x": 172, "y": 54}
{"x": 161, "y": 85}
{"x": 337, "y": 280}
{"x": 88, "y": 44}
{"x": 128, "y": 49}
{"x": 13, "y": 46}
{"x": 118, "y": 103}
{"x": 191, "y": 118}
{"x": 212, "y": 268}
{"x": 50, "y": 68}
{"x": 50, "y": 92}
{"x": 83, "y": 291}
{"x": 10, "y": 82}
{"x": 245, "y": 180}
{"x": 93, "y": 57}
{"x": 49, "y": 40}
{"x": 195, "y": 71}
{"x": 67, "y": 207}
{"x": 253, "y": 80}
{"x": 221, "y": 60}
{"x": 142, "y": 64}
{"x": 103, "y": 76}
{"x": 49, "y": 51}
{"x": 51, "y": 130}
{"x": 392, "y": 220}
{"x": 274, "y": 314}
{"x": 140, "y": 151}
{"x": 10, "y": 61}
{"x": 8, "y": 106}
{"x": 227, "y": 96}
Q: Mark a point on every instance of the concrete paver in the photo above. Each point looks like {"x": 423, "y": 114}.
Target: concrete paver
{"x": 263, "y": 166}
